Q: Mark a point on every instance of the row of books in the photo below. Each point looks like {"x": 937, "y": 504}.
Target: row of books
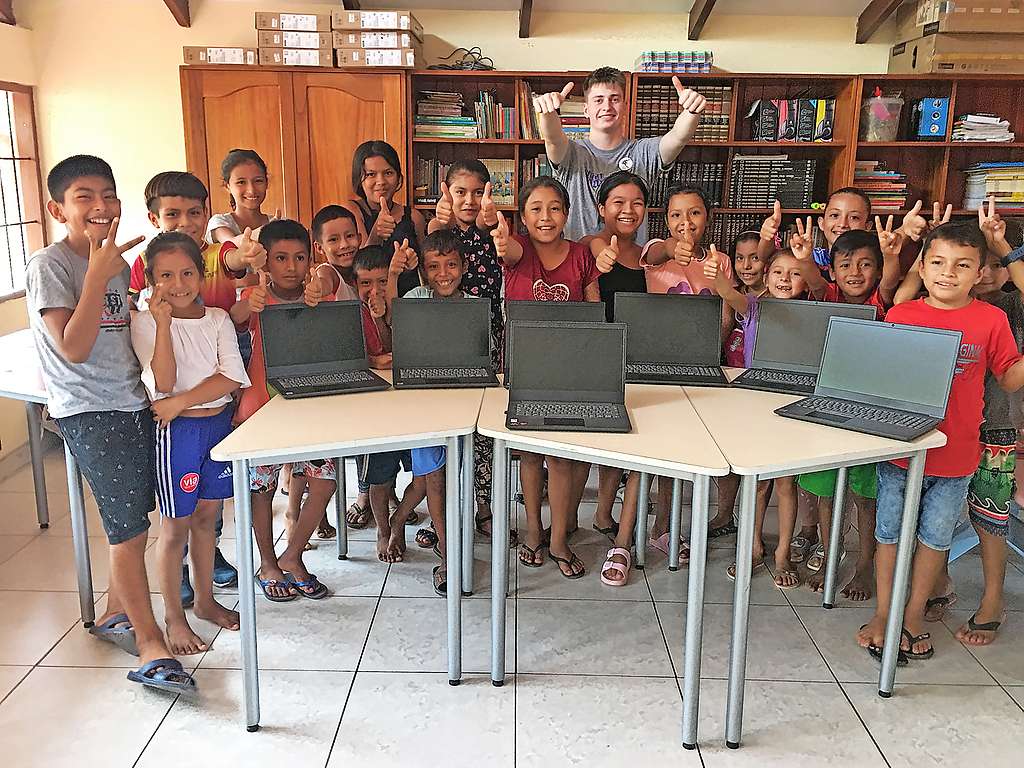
{"x": 439, "y": 115}
{"x": 1003, "y": 181}
{"x": 886, "y": 188}
{"x": 531, "y": 169}
{"x": 759, "y": 180}
{"x": 792, "y": 119}
{"x": 657, "y": 106}
{"x": 494, "y": 121}
{"x": 709, "y": 177}
{"x": 690, "y": 62}
{"x": 722, "y": 230}
{"x": 982, "y": 127}
{"x": 428, "y": 175}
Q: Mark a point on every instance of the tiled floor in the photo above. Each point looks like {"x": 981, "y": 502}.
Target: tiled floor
{"x": 358, "y": 679}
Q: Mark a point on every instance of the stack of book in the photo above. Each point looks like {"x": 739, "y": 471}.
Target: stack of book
{"x": 528, "y": 128}
{"x": 574, "y": 122}
{"x": 439, "y": 116}
{"x": 494, "y": 121}
{"x": 689, "y": 62}
{"x": 502, "y": 180}
{"x": 982, "y": 127}
{"x": 708, "y": 176}
{"x": 657, "y": 106}
{"x": 427, "y": 176}
{"x": 531, "y": 169}
{"x": 885, "y": 188}
{"x": 1002, "y": 181}
{"x": 725, "y": 228}
{"x": 759, "y": 180}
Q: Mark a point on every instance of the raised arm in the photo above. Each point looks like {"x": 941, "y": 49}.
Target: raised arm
{"x": 769, "y": 230}
{"x": 723, "y": 286}
{"x": 443, "y": 211}
{"x": 691, "y": 105}
{"x": 556, "y": 143}
{"x": 249, "y": 255}
{"x": 507, "y": 248}
{"x": 488, "y": 216}
{"x": 802, "y": 246}
{"x": 163, "y": 364}
{"x": 251, "y": 303}
{"x": 404, "y": 258}
{"x": 891, "y": 243}
{"x": 911, "y": 285}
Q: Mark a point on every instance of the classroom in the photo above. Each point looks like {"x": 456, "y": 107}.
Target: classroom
{"x": 439, "y": 383}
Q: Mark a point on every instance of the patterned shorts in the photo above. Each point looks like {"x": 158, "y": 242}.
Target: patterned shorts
{"x": 263, "y": 479}
{"x": 992, "y": 486}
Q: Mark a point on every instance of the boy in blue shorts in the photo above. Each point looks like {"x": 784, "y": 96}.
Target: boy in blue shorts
{"x": 77, "y": 291}
{"x": 951, "y": 265}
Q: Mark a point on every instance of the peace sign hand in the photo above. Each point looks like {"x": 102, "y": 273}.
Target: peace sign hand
{"x": 608, "y": 256}
{"x": 991, "y": 223}
{"x": 106, "y": 260}
{"x": 550, "y": 102}
{"x": 889, "y": 240}
{"x": 938, "y": 220}
{"x": 802, "y": 243}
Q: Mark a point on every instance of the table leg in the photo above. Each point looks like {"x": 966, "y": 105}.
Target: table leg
{"x": 468, "y": 514}
{"x": 740, "y": 611}
{"x": 340, "y": 499}
{"x": 695, "y": 609}
{"x": 901, "y": 577}
{"x": 453, "y": 559}
{"x": 80, "y": 538}
{"x": 642, "y": 503}
{"x": 246, "y": 594}
{"x": 675, "y": 523}
{"x": 499, "y": 560}
{"x": 835, "y": 539}
{"x": 35, "y": 449}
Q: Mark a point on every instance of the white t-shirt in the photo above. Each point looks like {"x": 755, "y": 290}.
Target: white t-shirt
{"x": 202, "y": 347}
{"x": 219, "y": 220}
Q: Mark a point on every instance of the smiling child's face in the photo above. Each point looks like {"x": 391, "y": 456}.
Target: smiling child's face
{"x": 339, "y": 241}
{"x": 443, "y": 272}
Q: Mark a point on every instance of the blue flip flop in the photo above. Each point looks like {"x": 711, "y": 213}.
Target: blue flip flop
{"x": 319, "y": 590}
{"x": 165, "y": 675}
{"x": 118, "y": 631}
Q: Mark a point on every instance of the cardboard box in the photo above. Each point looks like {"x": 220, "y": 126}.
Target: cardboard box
{"x": 197, "y": 54}
{"x": 918, "y": 19}
{"x": 298, "y": 22}
{"x": 349, "y": 38}
{"x": 376, "y": 57}
{"x": 269, "y": 38}
{"x": 401, "y": 20}
{"x": 957, "y": 54}
{"x": 296, "y": 57}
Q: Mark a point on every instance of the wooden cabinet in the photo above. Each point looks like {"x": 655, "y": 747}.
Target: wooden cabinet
{"x": 305, "y": 123}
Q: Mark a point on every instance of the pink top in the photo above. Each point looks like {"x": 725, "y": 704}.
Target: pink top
{"x": 672, "y": 277}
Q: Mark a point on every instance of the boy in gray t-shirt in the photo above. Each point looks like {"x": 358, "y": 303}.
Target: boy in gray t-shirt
{"x": 77, "y": 291}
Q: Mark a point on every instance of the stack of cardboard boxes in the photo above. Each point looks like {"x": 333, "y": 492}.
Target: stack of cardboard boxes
{"x": 377, "y": 38}
{"x": 959, "y": 36}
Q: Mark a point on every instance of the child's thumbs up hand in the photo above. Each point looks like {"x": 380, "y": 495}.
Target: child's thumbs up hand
{"x": 500, "y": 237}
{"x": 711, "y": 264}
{"x": 488, "y": 207}
{"x": 384, "y": 226}
{"x": 258, "y": 295}
{"x": 608, "y": 256}
{"x": 770, "y": 227}
{"x": 253, "y": 255}
{"x": 404, "y": 258}
{"x": 312, "y": 290}
{"x": 683, "y": 252}
{"x": 550, "y": 102}
{"x": 443, "y": 210}
{"x": 377, "y": 304}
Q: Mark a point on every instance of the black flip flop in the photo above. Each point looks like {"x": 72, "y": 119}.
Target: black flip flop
{"x": 611, "y": 531}
{"x": 570, "y": 562}
{"x": 533, "y": 554}
{"x": 428, "y": 535}
{"x": 723, "y": 530}
{"x": 911, "y": 640}
{"x": 876, "y": 653}
{"x": 988, "y": 626}
{"x": 441, "y": 581}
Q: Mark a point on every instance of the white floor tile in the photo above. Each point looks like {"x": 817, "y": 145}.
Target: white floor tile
{"x": 10, "y": 677}
{"x": 48, "y": 563}
{"x": 33, "y": 622}
{"x": 969, "y": 583}
{"x": 56, "y": 477}
{"x": 672, "y": 586}
{"x": 1017, "y": 694}
{"x": 414, "y": 576}
{"x": 1004, "y": 658}
{"x": 388, "y": 714}
{"x": 549, "y": 582}
{"x": 19, "y": 513}
{"x": 9, "y": 545}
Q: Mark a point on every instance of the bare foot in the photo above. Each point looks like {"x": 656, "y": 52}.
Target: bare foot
{"x": 218, "y": 614}
{"x": 979, "y": 636}
{"x": 182, "y": 641}
{"x": 396, "y": 542}
{"x": 861, "y": 586}
{"x": 872, "y": 633}
{"x": 384, "y": 553}
{"x": 816, "y": 581}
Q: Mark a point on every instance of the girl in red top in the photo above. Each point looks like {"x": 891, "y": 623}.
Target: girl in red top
{"x": 544, "y": 266}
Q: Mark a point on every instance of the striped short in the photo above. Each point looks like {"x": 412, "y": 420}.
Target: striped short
{"x": 185, "y": 473}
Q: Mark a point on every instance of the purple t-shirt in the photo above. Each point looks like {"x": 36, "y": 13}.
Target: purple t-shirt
{"x": 749, "y": 325}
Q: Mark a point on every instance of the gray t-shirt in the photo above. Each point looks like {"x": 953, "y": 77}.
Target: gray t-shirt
{"x": 585, "y": 167}
{"x": 111, "y": 379}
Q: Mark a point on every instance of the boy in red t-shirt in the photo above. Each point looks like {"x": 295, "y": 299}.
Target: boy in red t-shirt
{"x": 951, "y": 264}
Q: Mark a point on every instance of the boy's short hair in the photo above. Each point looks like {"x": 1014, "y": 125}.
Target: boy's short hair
{"x": 855, "y": 240}
{"x": 442, "y": 241}
{"x": 371, "y": 257}
{"x": 172, "y": 241}
{"x": 543, "y": 181}
{"x": 959, "y": 233}
{"x": 686, "y": 189}
{"x": 64, "y": 173}
{"x": 604, "y": 76}
{"x": 327, "y": 214}
{"x": 851, "y": 191}
{"x": 467, "y": 165}
{"x": 174, "y": 184}
{"x": 283, "y": 229}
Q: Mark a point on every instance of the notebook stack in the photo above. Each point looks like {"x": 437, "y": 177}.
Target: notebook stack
{"x": 982, "y": 127}
{"x": 1002, "y": 181}
{"x": 885, "y": 188}
{"x": 574, "y": 122}
{"x": 439, "y": 115}
{"x": 759, "y": 180}
{"x": 689, "y": 62}
{"x": 657, "y": 107}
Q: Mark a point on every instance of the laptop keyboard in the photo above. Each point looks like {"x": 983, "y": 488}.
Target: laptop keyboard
{"x": 661, "y": 369}
{"x": 780, "y": 377}
{"x": 867, "y": 412}
{"x": 443, "y": 373}
{"x": 326, "y": 379}
{"x": 533, "y": 408}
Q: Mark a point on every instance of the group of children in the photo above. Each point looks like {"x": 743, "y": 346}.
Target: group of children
{"x": 147, "y": 369}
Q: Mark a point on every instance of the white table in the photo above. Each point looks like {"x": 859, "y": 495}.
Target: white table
{"x": 759, "y": 445}
{"x": 337, "y": 426}
{"x": 21, "y": 379}
{"x": 668, "y": 439}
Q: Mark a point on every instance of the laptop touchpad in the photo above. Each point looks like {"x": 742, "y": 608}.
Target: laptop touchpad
{"x": 564, "y": 422}
{"x": 833, "y": 417}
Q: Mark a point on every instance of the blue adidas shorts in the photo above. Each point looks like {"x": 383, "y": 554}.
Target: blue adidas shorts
{"x": 185, "y": 473}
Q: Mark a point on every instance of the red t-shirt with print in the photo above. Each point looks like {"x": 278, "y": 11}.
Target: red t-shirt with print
{"x": 218, "y": 288}
{"x": 832, "y": 293}
{"x": 987, "y": 345}
{"x": 527, "y": 280}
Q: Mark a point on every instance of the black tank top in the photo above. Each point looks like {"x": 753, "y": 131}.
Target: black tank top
{"x": 621, "y": 278}
{"x": 404, "y": 228}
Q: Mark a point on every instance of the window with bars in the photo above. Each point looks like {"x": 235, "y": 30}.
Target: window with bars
{"x": 21, "y": 198}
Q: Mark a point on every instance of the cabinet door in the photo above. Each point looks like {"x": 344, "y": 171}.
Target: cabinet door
{"x": 244, "y": 109}
{"x": 334, "y": 113}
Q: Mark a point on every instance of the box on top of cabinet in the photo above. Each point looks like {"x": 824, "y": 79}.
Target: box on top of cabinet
{"x": 920, "y": 18}
{"x": 376, "y": 57}
{"x": 352, "y": 38}
{"x": 297, "y": 22}
{"x": 401, "y": 20}
{"x": 200, "y": 54}
{"x": 286, "y": 38}
{"x": 297, "y": 57}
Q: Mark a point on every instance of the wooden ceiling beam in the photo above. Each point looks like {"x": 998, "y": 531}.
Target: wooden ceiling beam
{"x": 7, "y": 12}
{"x": 699, "y": 17}
{"x": 350, "y": 5}
{"x": 872, "y": 17}
{"x": 525, "y": 14}
{"x": 179, "y": 9}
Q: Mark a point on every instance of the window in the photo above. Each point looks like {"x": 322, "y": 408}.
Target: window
{"x": 21, "y": 198}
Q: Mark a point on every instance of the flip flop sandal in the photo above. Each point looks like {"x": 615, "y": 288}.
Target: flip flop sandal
{"x": 479, "y": 522}
{"x": 798, "y": 547}
{"x": 532, "y": 553}
{"x": 723, "y": 530}
{"x": 319, "y": 591}
{"x": 425, "y": 537}
{"x": 165, "y": 675}
{"x": 611, "y": 531}
{"x": 118, "y": 631}
{"x": 619, "y": 568}
{"x": 787, "y": 587}
{"x": 573, "y": 560}
{"x": 730, "y": 572}
{"x": 914, "y": 639}
{"x": 988, "y": 626}
{"x": 436, "y": 549}
{"x": 876, "y": 653}
{"x": 938, "y": 607}
{"x": 817, "y": 560}
{"x": 325, "y": 530}
{"x": 413, "y": 518}
{"x": 363, "y": 516}
{"x": 441, "y": 580}
{"x": 267, "y": 584}
{"x": 661, "y": 544}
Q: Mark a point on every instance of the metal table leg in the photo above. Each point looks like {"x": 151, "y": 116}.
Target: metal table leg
{"x": 453, "y": 559}
{"x": 340, "y": 499}
{"x": 246, "y": 594}
{"x": 695, "y": 609}
{"x": 35, "y": 449}
{"x": 740, "y": 612}
{"x": 80, "y": 539}
{"x": 468, "y": 514}
{"x": 835, "y": 539}
{"x": 675, "y": 523}
{"x": 499, "y": 560}
{"x": 642, "y": 502}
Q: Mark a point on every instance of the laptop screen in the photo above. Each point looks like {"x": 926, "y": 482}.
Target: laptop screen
{"x": 671, "y": 328}
{"x": 568, "y": 361}
{"x": 551, "y": 311}
{"x": 901, "y": 366}
{"x": 299, "y": 339}
{"x": 791, "y": 333}
{"x": 435, "y": 332}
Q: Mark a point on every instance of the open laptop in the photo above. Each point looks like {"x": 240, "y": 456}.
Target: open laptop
{"x": 881, "y": 378}
{"x": 568, "y": 377}
{"x": 549, "y": 311}
{"x": 441, "y": 343}
{"x": 672, "y": 339}
{"x": 319, "y": 350}
{"x": 788, "y": 342}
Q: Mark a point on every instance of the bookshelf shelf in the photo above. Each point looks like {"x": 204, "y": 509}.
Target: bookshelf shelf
{"x": 432, "y": 206}
{"x": 425, "y": 140}
{"x": 837, "y": 145}
{"x": 903, "y": 144}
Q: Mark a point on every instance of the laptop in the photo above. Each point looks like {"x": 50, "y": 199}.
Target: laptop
{"x": 311, "y": 351}
{"x": 441, "y": 343}
{"x": 788, "y": 343}
{"x": 550, "y": 311}
{"x": 672, "y": 339}
{"x": 568, "y": 376}
{"x": 881, "y": 378}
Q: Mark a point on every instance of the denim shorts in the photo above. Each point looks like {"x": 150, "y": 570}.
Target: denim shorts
{"x": 942, "y": 501}
{"x": 115, "y": 451}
